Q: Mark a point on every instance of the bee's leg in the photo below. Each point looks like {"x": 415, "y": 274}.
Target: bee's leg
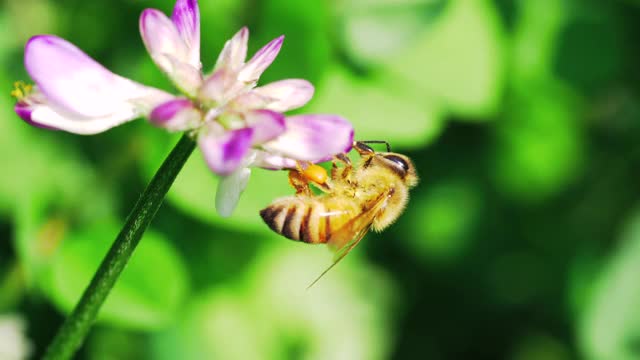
{"x": 343, "y": 172}
{"x": 363, "y": 149}
{"x": 334, "y": 170}
{"x": 314, "y": 174}
{"x": 343, "y": 159}
{"x": 299, "y": 182}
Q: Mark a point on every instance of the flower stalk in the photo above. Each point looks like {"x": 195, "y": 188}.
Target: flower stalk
{"x": 75, "y": 328}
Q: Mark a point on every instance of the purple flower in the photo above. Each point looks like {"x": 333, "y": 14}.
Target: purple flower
{"x": 237, "y": 124}
{"x": 76, "y": 94}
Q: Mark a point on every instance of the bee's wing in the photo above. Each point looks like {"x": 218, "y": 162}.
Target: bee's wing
{"x": 349, "y": 235}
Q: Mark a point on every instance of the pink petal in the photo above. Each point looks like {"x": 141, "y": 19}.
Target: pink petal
{"x": 76, "y": 94}
{"x": 176, "y": 115}
{"x": 225, "y": 153}
{"x": 286, "y": 95}
{"x": 25, "y": 112}
{"x": 270, "y": 161}
{"x": 186, "y": 77}
{"x": 47, "y": 116}
{"x": 251, "y": 100}
{"x": 73, "y": 80}
{"x": 313, "y": 137}
{"x": 186, "y": 18}
{"x": 234, "y": 52}
{"x": 229, "y": 190}
{"x": 260, "y": 61}
{"x": 266, "y": 125}
{"x": 161, "y": 37}
{"x": 219, "y": 87}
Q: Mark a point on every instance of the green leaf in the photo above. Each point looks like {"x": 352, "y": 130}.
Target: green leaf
{"x": 379, "y": 109}
{"x": 610, "y": 325}
{"x": 280, "y": 319}
{"x": 374, "y": 31}
{"x": 194, "y": 190}
{"x": 537, "y": 346}
{"x": 539, "y": 146}
{"x": 460, "y": 60}
{"x": 535, "y": 39}
{"x": 26, "y": 19}
{"x": 39, "y": 231}
{"x": 445, "y": 218}
{"x": 220, "y": 19}
{"x": 217, "y": 325}
{"x": 148, "y": 294}
{"x": 54, "y": 165}
{"x": 44, "y": 181}
{"x": 306, "y": 49}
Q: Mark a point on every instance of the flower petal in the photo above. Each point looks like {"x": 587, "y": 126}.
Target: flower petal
{"x": 270, "y": 161}
{"x": 25, "y": 112}
{"x": 219, "y": 87}
{"x": 225, "y": 153}
{"x": 73, "y": 82}
{"x": 286, "y": 94}
{"x": 234, "y": 52}
{"x": 186, "y": 77}
{"x": 252, "y": 70}
{"x": 229, "y": 190}
{"x": 46, "y": 116}
{"x": 161, "y": 37}
{"x": 176, "y": 115}
{"x": 313, "y": 137}
{"x": 266, "y": 124}
{"x": 186, "y": 18}
{"x": 250, "y": 100}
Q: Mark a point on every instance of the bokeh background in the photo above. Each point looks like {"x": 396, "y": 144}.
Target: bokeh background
{"x": 522, "y": 240}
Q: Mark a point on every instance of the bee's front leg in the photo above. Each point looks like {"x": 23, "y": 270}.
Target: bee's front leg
{"x": 342, "y": 172}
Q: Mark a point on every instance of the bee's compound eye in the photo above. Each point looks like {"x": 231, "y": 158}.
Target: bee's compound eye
{"x": 316, "y": 174}
{"x": 400, "y": 163}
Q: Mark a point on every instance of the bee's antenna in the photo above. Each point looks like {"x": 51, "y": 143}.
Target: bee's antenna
{"x": 378, "y": 142}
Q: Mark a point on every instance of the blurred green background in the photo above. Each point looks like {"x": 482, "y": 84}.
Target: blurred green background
{"x": 522, "y": 240}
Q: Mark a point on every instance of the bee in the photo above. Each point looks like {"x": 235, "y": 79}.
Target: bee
{"x": 354, "y": 199}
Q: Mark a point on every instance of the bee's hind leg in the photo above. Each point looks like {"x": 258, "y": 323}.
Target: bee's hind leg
{"x": 309, "y": 173}
{"x": 299, "y": 182}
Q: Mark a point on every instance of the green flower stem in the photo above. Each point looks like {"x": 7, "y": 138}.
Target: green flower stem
{"x": 75, "y": 328}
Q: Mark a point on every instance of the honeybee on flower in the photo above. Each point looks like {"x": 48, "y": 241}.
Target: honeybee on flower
{"x": 237, "y": 124}
{"x": 370, "y": 195}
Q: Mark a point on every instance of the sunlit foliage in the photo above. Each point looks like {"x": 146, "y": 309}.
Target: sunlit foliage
{"x": 521, "y": 241}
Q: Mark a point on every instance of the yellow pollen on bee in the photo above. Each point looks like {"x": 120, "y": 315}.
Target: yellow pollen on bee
{"x": 315, "y": 173}
{"x": 21, "y": 90}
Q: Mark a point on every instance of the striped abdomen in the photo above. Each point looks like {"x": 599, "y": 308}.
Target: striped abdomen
{"x": 304, "y": 219}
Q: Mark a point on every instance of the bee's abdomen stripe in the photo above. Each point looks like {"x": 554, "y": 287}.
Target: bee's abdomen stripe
{"x": 327, "y": 229}
{"x": 275, "y": 217}
{"x": 289, "y": 228}
{"x": 316, "y": 223}
{"x": 298, "y": 220}
{"x": 304, "y": 234}
{"x": 269, "y": 214}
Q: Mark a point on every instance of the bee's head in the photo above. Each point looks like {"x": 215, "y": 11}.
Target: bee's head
{"x": 399, "y": 164}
